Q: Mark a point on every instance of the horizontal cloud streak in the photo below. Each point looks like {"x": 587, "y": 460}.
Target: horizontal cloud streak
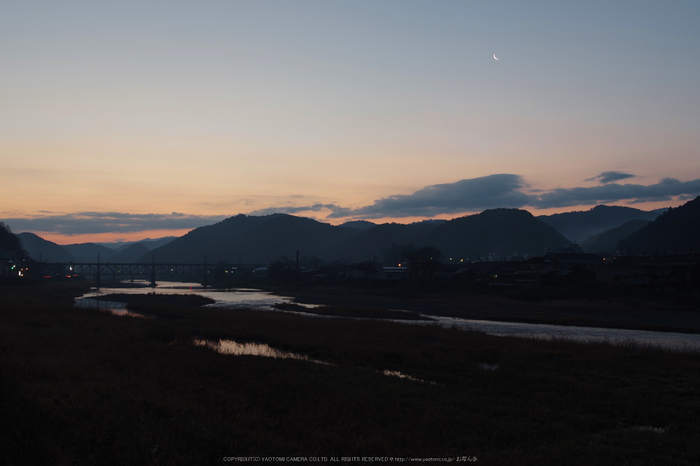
{"x": 506, "y": 190}
{"x": 295, "y": 209}
{"x": 469, "y": 195}
{"x": 664, "y": 190}
{"x": 609, "y": 177}
{"x": 109, "y": 222}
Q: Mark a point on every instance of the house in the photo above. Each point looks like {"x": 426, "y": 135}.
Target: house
{"x": 395, "y": 273}
{"x": 532, "y": 272}
{"x": 585, "y": 261}
{"x": 367, "y": 270}
{"x": 486, "y": 274}
{"x": 665, "y": 273}
{"x": 260, "y": 272}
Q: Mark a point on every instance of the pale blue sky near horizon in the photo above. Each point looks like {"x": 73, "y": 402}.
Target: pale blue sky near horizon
{"x": 215, "y": 108}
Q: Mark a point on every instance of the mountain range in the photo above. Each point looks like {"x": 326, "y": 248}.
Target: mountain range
{"x": 608, "y": 241}
{"x": 496, "y": 233}
{"x": 47, "y": 251}
{"x": 580, "y": 225}
{"x": 245, "y": 239}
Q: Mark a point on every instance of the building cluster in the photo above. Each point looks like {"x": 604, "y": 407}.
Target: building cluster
{"x": 663, "y": 273}
{"x": 9, "y": 266}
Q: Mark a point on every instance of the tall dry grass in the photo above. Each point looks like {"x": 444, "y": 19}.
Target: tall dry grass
{"x": 80, "y": 386}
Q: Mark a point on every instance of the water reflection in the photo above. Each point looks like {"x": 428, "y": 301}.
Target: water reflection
{"x": 115, "y": 307}
{"x": 263, "y": 300}
{"x": 668, "y": 340}
{"x": 225, "y": 298}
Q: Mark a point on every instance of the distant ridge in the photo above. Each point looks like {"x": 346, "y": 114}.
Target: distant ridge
{"x": 360, "y": 225}
{"x": 47, "y": 251}
{"x": 607, "y": 241}
{"x": 378, "y": 242}
{"x": 131, "y": 253}
{"x": 580, "y": 225}
{"x": 677, "y": 230}
{"x": 147, "y": 242}
{"x": 88, "y": 252}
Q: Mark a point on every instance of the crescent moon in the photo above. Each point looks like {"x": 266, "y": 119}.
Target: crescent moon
{"x": 495, "y": 57}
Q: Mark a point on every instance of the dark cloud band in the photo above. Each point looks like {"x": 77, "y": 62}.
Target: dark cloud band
{"x": 109, "y": 222}
{"x": 506, "y": 190}
{"x": 611, "y": 177}
{"x": 503, "y": 190}
{"x": 665, "y": 190}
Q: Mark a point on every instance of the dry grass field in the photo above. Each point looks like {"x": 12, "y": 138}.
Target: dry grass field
{"x": 82, "y": 387}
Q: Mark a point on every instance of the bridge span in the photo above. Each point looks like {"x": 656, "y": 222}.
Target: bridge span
{"x": 151, "y": 271}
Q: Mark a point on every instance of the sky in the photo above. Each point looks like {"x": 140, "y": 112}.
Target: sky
{"x": 122, "y": 120}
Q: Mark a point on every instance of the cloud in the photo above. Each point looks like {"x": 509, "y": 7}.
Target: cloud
{"x": 463, "y": 196}
{"x": 109, "y": 222}
{"x": 504, "y": 190}
{"x": 468, "y": 195}
{"x": 664, "y": 190}
{"x": 610, "y": 177}
{"x": 295, "y": 209}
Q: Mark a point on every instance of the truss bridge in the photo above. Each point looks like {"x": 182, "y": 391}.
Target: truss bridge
{"x": 150, "y": 271}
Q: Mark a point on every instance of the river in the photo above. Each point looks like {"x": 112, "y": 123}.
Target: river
{"x": 263, "y": 300}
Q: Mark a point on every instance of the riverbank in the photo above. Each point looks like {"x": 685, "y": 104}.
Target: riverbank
{"x": 90, "y": 387}
{"x": 621, "y": 312}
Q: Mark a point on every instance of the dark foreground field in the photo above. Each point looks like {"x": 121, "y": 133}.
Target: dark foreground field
{"x": 78, "y": 386}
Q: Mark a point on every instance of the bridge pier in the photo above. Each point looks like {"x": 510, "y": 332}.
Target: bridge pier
{"x": 153, "y": 272}
{"x": 97, "y": 273}
{"x": 206, "y": 273}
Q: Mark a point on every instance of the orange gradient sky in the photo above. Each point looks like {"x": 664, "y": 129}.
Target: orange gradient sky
{"x": 354, "y": 110}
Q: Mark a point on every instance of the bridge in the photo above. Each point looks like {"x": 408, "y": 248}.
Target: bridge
{"x": 169, "y": 269}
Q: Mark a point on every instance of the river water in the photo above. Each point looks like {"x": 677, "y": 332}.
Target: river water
{"x": 264, "y": 301}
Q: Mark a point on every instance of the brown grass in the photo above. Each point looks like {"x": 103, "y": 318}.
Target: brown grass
{"x": 80, "y": 386}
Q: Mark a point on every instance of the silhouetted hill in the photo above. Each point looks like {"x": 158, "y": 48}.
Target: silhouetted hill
{"x": 249, "y": 239}
{"x": 131, "y": 253}
{"x": 498, "y": 231}
{"x": 88, "y": 252}
{"x": 11, "y": 243}
{"x": 43, "y": 250}
{"x": 676, "y": 230}
{"x": 580, "y": 225}
{"x": 149, "y": 243}
{"x": 432, "y": 221}
{"x": 360, "y": 225}
{"x": 607, "y": 241}
{"x": 387, "y": 239}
